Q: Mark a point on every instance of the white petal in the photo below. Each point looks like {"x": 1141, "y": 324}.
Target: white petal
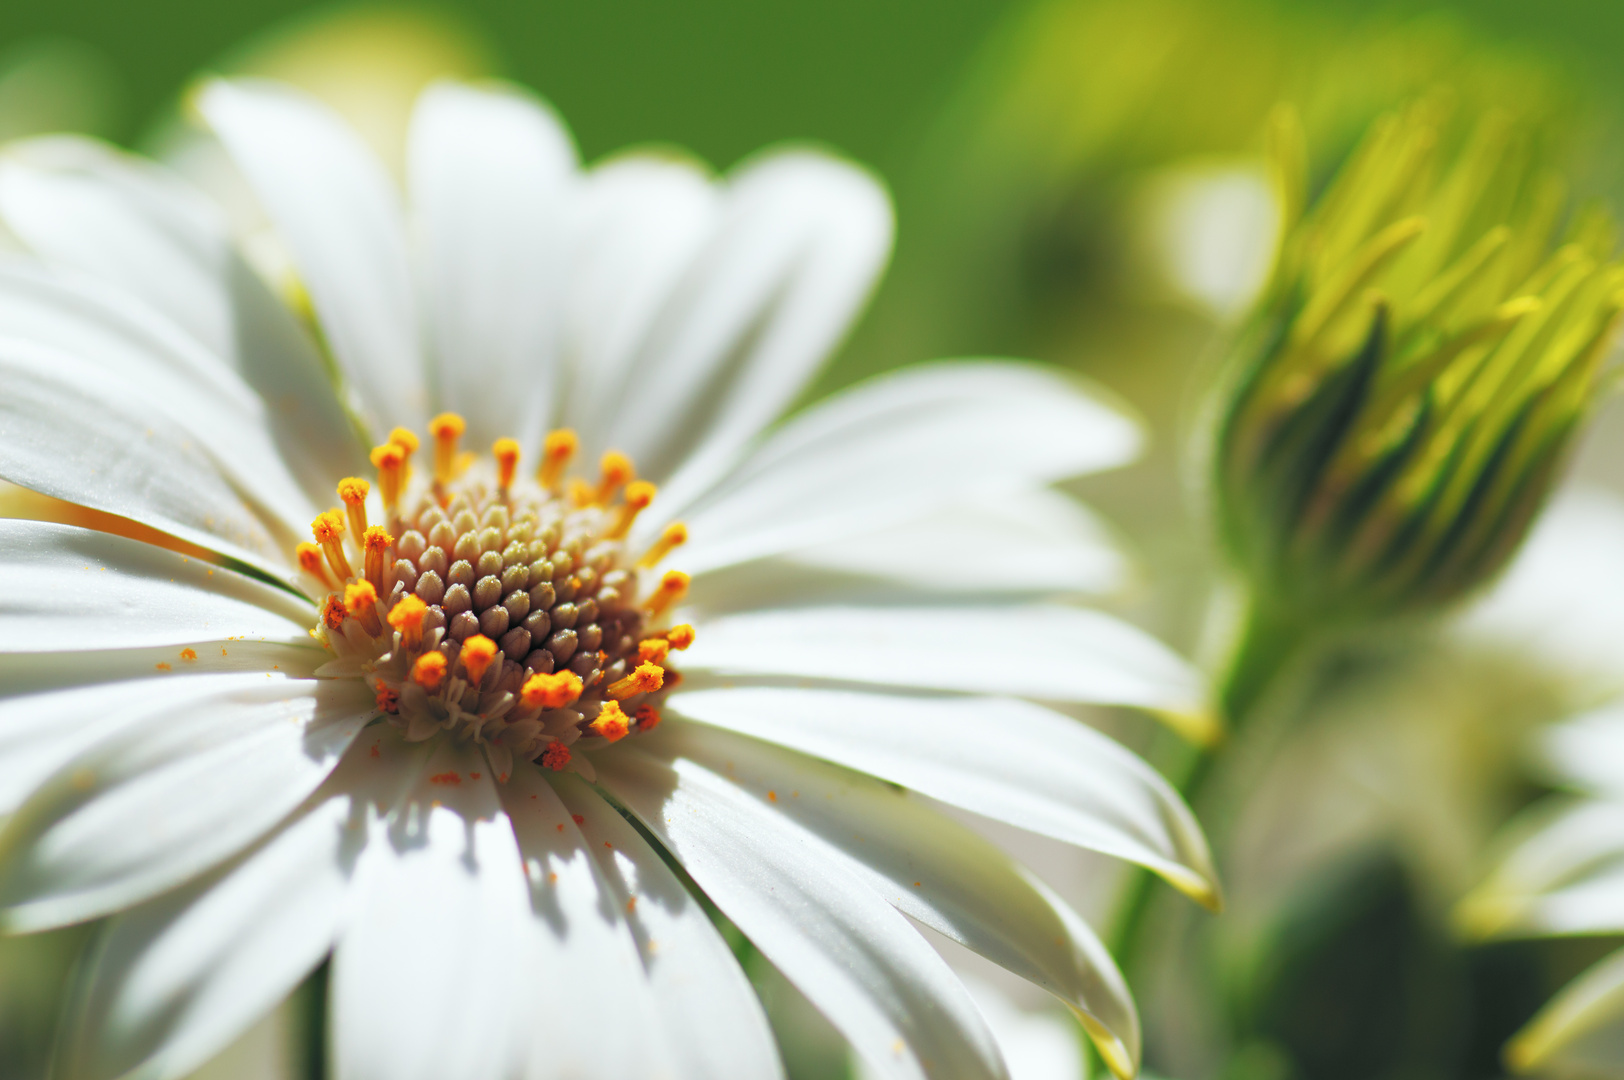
{"x": 337, "y": 209}
{"x": 1580, "y": 1032}
{"x": 798, "y": 244}
{"x": 1048, "y": 653}
{"x": 141, "y": 229}
{"x": 847, "y": 950}
{"x": 72, "y": 589}
{"x": 1588, "y": 750}
{"x": 935, "y": 871}
{"x": 637, "y": 223}
{"x": 491, "y": 170}
{"x": 584, "y": 951}
{"x": 144, "y": 389}
{"x": 42, "y": 729}
{"x": 170, "y": 795}
{"x": 170, "y": 983}
{"x": 895, "y": 447}
{"x": 711, "y": 1016}
{"x": 430, "y": 979}
{"x": 1565, "y": 875}
{"x": 1008, "y": 760}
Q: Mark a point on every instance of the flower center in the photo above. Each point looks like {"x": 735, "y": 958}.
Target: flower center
{"x": 502, "y": 608}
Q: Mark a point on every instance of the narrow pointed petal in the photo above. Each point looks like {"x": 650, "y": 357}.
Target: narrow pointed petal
{"x": 1008, "y": 760}
{"x": 695, "y": 980}
{"x": 798, "y": 244}
{"x": 1580, "y": 1032}
{"x": 492, "y": 170}
{"x": 898, "y": 446}
{"x": 1564, "y": 876}
{"x": 847, "y": 950}
{"x": 141, "y": 229}
{"x": 935, "y": 871}
{"x": 170, "y": 795}
{"x": 1049, "y": 653}
{"x": 430, "y": 979}
{"x": 336, "y": 208}
{"x": 70, "y": 589}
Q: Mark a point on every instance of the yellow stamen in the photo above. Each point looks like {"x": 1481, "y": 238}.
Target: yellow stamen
{"x": 311, "y": 563}
{"x": 611, "y": 722}
{"x": 446, "y": 428}
{"x": 639, "y": 493}
{"x": 407, "y": 617}
{"x": 428, "y": 671}
{"x": 675, "y": 535}
{"x": 645, "y": 680}
{"x": 390, "y": 461}
{"x": 653, "y": 650}
{"x": 680, "y": 636}
{"x": 405, "y": 439}
{"x": 352, "y": 490}
{"x": 376, "y": 542}
{"x": 556, "y": 453}
{"x": 361, "y": 601}
{"x": 332, "y": 612}
{"x": 580, "y": 493}
{"x": 328, "y": 529}
{"x": 617, "y": 473}
{"x": 506, "y": 452}
{"x": 673, "y": 587}
{"x": 476, "y": 656}
{"x": 647, "y": 717}
{"x": 553, "y": 691}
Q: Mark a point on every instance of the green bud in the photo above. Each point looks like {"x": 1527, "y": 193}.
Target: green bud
{"x": 1406, "y": 390}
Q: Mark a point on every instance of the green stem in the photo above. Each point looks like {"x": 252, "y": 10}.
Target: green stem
{"x": 1266, "y": 646}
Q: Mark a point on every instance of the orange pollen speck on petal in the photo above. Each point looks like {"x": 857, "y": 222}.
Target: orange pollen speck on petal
{"x": 611, "y": 722}
{"x": 553, "y": 691}
{"x": 555, "y": 757}
{"x": 647, "y": 717}
{"x": 675, "y": 535}
{"x": 476, "y": 656}
{"x": 645, "y": 680}
{"x": 556, "y": 453}
{"x": 429, "y": 670}
{"x": 617, "y": 473}
{"x": 673, "y": 587}
{"x": 506, "y": 452}
{"x": 680, "y": 636}
{"x": 653, "y": 650}
{"x": 188, "y": 654}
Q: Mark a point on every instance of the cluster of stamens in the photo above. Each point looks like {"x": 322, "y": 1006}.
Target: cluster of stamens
{"x": 499, "y": 607}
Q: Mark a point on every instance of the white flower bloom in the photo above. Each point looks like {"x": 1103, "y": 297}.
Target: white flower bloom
{"x": 423, "y": 745}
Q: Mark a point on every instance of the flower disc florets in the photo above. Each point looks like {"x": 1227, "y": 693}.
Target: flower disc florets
{"x": 1411, "y": 381}
{"x": 501, "y": 608}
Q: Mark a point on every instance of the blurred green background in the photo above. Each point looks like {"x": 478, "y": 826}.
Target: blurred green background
{"x": 1010, "y": 240}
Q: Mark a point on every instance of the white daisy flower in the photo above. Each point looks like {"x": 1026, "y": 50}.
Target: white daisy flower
{"x": 421, "y": 740}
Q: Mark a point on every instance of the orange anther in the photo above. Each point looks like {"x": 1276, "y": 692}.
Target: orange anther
{"x": 390, "y": 461}
{"x": 653, "y": 650}
{"x": 551, "y": 691}
{"x": 310, "y": 562}
{"x": 407, "y": 617}
{"x": 639, "y": 493}
{"x": 446, "y": 428}
{"x": 617, "y": 473}
{"x": 387, "y": 700}
{"x": 673, "y": 587}
{"x": 506, "y": 452}
{"x": 646, "y": 679}
{"x": 361, "y": 601}
{"x": 680, "y": 636}
{"x": 405, "y": 439}
{"x": 352, "y": 491}
{"x": 428, "y": 671}
{"x": 476, "y": 656}
{"x": 675, "y": 535}
{"x": 556, "y": 453}
{"x": 611, "y": 722}
{"x": 328, "y": 528}
{"x": 647, "y": 717}
{"x": 375, "y": 545}
{"x": 555, "y": 757}
{"x": 332, "y": 612}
